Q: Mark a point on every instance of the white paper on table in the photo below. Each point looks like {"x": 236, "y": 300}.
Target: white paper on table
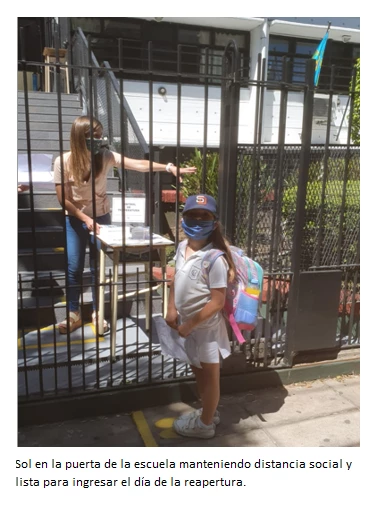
{"x": 112, "y": 234}
{"x": 173, "y": 345}
{"x": 41, "y": 168}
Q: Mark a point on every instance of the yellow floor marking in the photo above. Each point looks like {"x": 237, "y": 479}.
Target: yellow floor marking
{"x": 59, "y": 343}
{"x": 168, "y": 433}
{"x": 143, "y": 428}
{"x": 167, "y": 425}
{"x": 164, "y": 423}
{"x": 93, "y": 327}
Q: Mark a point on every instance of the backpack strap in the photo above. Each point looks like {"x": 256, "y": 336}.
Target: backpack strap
{"x": 235, "y": 328}
{"x": 208, "y": 261}
{"x": 260, "y": 274}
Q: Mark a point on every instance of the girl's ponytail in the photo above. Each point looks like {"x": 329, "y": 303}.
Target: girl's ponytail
{"x": 220, "y": 242}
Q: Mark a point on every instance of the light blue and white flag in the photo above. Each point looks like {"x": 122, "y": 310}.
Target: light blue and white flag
{"x": 318, "y": 56}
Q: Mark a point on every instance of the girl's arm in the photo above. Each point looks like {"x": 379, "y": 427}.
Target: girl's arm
{"x": 143, "y": 166}
{"x": 218, "y": 297}
{"x": 172, "y": 313}
{"x": 75, "y": 212}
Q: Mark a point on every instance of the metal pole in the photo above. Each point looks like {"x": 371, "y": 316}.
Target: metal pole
{"x": 229, "y": 127}
{"x": 300, "y": 212}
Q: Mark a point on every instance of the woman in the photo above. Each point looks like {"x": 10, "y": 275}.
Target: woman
{"x": 79, "y": 207}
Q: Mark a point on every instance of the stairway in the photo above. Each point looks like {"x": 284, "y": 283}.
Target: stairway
{"x": 41, "y": 261}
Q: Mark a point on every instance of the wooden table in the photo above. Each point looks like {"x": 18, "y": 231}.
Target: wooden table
{"x": 136, "y": 247}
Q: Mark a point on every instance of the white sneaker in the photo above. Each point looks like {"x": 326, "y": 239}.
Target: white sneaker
{"x": 191, "y": 426}
{"x": 198, "y": 412}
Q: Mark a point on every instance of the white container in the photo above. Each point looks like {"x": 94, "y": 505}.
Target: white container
{"x": 140, "y": 233}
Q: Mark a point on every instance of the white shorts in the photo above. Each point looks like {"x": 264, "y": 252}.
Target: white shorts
{"x": 208, "y": 345}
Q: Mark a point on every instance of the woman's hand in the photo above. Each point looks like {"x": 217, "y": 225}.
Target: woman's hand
{"x": 182, "y": 170}
{"x": 92, "y": 225}
{"x": 172, "y": 318}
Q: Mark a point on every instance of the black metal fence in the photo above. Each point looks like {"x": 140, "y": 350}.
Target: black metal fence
{"x": 294, "y": 208}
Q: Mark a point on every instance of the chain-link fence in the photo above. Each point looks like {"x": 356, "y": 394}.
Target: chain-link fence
{"x": 266, "y": 206}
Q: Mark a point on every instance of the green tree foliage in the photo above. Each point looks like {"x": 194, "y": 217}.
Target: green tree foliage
{"x": 192, "y": 183}
{"x": 330, "y": 221}
{"x": 355, "y": 134}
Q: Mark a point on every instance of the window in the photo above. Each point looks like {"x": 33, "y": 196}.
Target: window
{"x": 223, "y": 38}
{"x": 122, "y": 28}
{"x": 171, "y": 45}
{"x": 88, "y": 25}
{"x": 191, "y": 36}
{"x": 297, "y": 51}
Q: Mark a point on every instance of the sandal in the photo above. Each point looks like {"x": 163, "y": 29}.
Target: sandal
{"x": 105, "y": 323}
{"x": 75, "y": 321}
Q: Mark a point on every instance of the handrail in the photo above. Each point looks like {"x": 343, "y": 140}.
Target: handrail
{"x": 103, "y": 96}
{"x": 127, "y": 108}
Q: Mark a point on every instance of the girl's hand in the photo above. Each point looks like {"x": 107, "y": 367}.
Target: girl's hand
{"x": 172, "y": 319}
{"x": 185, "y": 329}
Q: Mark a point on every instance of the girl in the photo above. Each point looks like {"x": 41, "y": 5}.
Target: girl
{"x": 195, "y": 309}
{"x": 82, "y": 216}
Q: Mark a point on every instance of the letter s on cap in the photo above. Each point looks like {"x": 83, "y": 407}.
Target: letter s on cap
{"x": 201, "y": 200}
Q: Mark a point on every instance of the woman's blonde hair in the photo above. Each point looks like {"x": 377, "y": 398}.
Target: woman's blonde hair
{"x": 79, "y": 161}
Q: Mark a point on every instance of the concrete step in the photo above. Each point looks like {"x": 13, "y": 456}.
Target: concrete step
{"x": 44, "y": 146}
{"x": 34, "y": 109}
{"x": 42, "y": 217}
{"x": 49, "y": 102}
{"x": 43, "y": 135}
{"x": 41, "y": 199}
{"x": 45, "y": 237}
{"x": 48, "y": 118}
{"x": 47, "y": 95}
{"x": 48, "y": 126}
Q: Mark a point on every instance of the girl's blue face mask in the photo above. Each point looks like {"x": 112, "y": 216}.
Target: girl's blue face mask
{"x": 97, "y": 145}
{"x": 198, "y": 229}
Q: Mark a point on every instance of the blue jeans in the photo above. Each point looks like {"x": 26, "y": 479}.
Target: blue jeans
{"x": 77, "y": 236}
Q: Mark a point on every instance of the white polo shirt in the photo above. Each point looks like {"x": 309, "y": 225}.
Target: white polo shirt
{"x": 191, "y": 291}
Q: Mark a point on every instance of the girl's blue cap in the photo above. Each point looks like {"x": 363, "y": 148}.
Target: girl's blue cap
{"x": 201, "y": 202}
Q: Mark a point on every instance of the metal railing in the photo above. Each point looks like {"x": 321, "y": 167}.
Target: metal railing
{"x": 99, "y": 85}
{"x": 267, "y": 183}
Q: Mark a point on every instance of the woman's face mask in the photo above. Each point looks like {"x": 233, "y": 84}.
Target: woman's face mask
{"x": 197, "y": 229}
{"x": 97, "y": 145}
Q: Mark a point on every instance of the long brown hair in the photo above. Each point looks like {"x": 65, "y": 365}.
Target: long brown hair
{"x": 79, "y": 162}
{"x": 220, "y": 242}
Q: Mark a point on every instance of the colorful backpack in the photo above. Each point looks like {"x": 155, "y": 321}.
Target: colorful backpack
{"x": 243, "y": 295}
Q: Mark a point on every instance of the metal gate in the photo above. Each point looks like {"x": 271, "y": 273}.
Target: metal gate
{"x": 293, "y": 208}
